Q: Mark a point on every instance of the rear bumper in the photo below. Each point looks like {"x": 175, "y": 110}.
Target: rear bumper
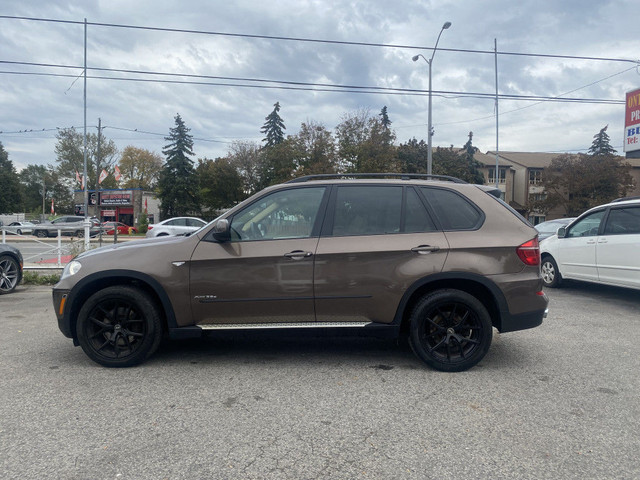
{"x": 523, "y": 321}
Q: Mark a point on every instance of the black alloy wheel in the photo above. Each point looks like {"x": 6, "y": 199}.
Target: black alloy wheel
{"x": 9, "y": 274}
{"x": 119, "y": 326}
{"x": 450, "y": 330}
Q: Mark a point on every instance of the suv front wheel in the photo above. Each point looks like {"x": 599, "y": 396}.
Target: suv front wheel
{"x": 119, "y": 326}
{"x": 450, "y": 330}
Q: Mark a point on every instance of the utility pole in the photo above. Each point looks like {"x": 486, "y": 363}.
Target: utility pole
{"x": 98, "y": 168}
{"x": 43, "y": 196}
{"x": 98, "y": 213}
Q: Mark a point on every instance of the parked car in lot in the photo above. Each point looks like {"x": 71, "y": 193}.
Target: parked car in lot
{"x": 123, "y": 229}
{"x": 19, "y": 228}
{"x": 10, "y": 268}
{"x": 601, "y": 246}
{"x": 433, "y": 258}
{"x": 546, "y": 229}
{"x": 68, "y": 225}
{"x": 175, "y": 226}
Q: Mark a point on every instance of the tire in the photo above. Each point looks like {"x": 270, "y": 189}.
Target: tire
{"x": 19, "y": 232}
{"x": 450, "y": 330}
{"x": 41, "y": 234}
{"x": 119, "y": 326}
{"x": 550, "y": 274}
{"x": 9, "y": 274}
{"x": 80, "y": 234}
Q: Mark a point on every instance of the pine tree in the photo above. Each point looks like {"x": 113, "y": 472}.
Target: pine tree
{"x": 273, "y": 127}
{"x": 384, "y": 118}
{"x": 601, "y": 144}
{"x": 178, "y": 183}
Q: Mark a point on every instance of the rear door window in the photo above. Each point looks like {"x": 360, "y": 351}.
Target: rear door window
{"x": 367, "y": 210}
{"x": 623, "y": 221}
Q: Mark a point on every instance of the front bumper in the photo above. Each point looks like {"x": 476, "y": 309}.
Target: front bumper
{"x": 61, "y": 306}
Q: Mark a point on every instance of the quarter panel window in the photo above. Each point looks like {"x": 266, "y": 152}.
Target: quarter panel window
{"x": 454, "y": 211}
{"x": 367, "y": 210}
{"x": 283, "y": 214}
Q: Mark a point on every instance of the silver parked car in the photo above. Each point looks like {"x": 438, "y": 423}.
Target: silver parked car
{"x": 19, "y": 227}
{"x": 175, "y": 226}
{"x": 546, "y": 229}
{"x": 67, "y": 225}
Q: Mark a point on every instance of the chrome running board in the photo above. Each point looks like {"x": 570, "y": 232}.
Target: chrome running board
{"x": 254, "y": 326}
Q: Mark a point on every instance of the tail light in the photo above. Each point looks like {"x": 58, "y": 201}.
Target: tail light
{"x": 149, "y": 227}
{"x": 529, "y": 252}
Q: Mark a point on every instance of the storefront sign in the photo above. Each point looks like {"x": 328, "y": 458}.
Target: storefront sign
{"x": 115, "y": 198}
{"x": 108, "y": 213}
{"x": 632, "y": 122}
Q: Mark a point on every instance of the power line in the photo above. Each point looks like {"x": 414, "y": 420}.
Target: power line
{"x": 314, "y": 40}
{"x": 342, "y": 89}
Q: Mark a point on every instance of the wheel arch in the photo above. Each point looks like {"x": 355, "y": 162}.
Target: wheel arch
{"x": 98, "y": 281}
{"x": 480, "y": 287}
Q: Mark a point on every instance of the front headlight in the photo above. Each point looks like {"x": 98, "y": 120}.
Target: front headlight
{"x": 72, "y": 268}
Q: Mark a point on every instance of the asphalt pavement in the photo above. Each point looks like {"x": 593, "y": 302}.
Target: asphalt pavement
{"x": 558, "y": 401}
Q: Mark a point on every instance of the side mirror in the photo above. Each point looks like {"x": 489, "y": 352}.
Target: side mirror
{"x": 562, "y": 232}
{"x": 221, "y": 230}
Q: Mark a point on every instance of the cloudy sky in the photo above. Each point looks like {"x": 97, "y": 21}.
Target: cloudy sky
{"x": 218, "y": 82}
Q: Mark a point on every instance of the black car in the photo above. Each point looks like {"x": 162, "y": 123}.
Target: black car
{"x": 10, "y": 268}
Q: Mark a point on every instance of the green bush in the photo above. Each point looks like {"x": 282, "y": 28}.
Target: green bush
{"x": 143, "y": 223}
{"x": 34, "y": 278}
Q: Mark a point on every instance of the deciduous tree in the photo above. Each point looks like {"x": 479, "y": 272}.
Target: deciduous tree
{"x": 140, "y": 168}
{"x": 221, "y": 185}
{"x": 10, "y": 191}
{"x": 579, "y": 182}
{"x": 70, "y": 156}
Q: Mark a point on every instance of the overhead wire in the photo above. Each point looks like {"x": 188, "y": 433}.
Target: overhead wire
{"x": 314, "y": 40}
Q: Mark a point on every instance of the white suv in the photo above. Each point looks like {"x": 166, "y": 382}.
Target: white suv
{"x": 601, "y": 246}
{"x": 175, "y": 226}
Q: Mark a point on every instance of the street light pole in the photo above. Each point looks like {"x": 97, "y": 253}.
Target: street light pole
{"x": 429, "y": 126}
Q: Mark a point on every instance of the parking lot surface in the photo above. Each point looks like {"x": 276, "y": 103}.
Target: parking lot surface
{"x": 558, "y": 401}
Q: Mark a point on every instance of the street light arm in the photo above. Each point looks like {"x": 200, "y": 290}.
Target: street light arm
{"x": 444, "y": 27}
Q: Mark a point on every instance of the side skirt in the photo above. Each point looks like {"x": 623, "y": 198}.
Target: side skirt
{"x": 379, "y": 330}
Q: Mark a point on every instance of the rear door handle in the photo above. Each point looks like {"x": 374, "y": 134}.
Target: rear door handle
{"x": 298, "y": 254}
{"x": 422, "y": 249}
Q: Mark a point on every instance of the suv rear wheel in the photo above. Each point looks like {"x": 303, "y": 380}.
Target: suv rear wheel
{"x": 450, "y": 330}
{"x": 119, "y": 326}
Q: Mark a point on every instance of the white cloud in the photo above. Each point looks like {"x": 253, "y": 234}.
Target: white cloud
{"x": 224, "y": 113}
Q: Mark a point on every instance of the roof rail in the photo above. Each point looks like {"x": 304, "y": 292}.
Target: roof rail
{"x": 402, "y": 176}
{"x": 624, "y": 199}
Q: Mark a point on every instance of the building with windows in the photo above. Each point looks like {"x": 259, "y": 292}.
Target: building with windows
{"x": 520, "y": 178}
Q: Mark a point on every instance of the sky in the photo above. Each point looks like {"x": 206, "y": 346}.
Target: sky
{"x": 363, "y": 44}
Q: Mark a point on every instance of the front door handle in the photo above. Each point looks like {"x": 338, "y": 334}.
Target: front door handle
{"x": 298, "y": 254}
{"x": 423, "y": 249}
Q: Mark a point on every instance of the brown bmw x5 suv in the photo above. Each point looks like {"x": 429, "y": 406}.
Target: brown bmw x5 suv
{"x": 433, "y": 258}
